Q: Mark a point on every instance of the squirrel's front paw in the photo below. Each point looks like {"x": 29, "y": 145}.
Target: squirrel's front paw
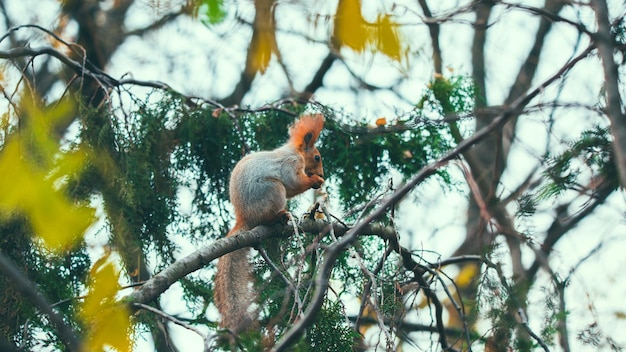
{"x": 317, "y": 181}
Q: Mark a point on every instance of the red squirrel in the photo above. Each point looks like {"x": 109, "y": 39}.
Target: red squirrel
{"x": 260, "y": 185}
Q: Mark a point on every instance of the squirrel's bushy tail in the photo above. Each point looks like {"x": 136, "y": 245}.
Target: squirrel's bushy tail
{"x": 233, "y": 296}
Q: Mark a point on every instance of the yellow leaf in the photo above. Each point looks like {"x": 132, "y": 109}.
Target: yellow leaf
{"x": 353, "y": 31}
{"x": 467, "y": 275}
{"x": 350, "y": 27}
{"x": 368, "y": 312}
{"x": 41, "y": 123}
{"x": 34, "y": 169}
{"x": 262, "y": 51}
{"x": 107, "y": 321}
{"x": 25, "y": 189}
{"x": 388, "y": 40}
{"x": 263, "y": 42}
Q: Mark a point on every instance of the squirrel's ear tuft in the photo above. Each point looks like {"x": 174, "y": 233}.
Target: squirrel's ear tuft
{"x": 304, "y": 132}
{"x": 307, "y": 140}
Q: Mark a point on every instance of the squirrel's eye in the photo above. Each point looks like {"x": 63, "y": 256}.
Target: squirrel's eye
{"x": 318, "y": 158}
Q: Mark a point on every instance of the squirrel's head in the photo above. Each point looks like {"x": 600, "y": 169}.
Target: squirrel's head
{"x": 303, "y": 134}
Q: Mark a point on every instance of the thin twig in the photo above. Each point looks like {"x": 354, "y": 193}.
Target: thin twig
{"x": 170, "y": 318}
{"x": 173, "y": 320}
{"x": 282, "y": 276}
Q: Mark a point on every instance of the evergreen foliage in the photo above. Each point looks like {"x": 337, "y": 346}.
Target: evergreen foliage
{"x": 157, "y": 168}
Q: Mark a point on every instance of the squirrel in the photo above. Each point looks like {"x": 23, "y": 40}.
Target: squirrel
{"x": 260, "y": 185}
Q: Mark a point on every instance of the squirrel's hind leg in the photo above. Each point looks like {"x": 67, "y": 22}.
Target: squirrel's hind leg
{"x": 282, "y": 217}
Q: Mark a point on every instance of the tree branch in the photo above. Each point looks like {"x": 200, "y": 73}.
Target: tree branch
{"x": 606, "y": 49}
{"x": 30, "y": 291}
{"x": 160, "y": 282}
{"x": 433, "y": 28}
{"x": 564, "y": 222}
{"x": 318, "y": 78}
{"x": 172, "y": 319}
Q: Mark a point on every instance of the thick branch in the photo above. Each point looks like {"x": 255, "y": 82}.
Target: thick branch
{"x": 606, "y": 49}
{"x": 200, "y": 258}
{"x": 318, "y": 78}
{"x": 433, "y": 29}
{"x": 160, "y": 282}
{"x": 30, "y": 291}
{"x": 262, "y": 43}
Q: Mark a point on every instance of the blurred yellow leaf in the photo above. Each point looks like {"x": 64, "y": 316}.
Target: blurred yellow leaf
{"x": 262, "y": 50}
{"x": 467, "y": 275}
{"x": 263, "y": 42}
{"x": 368, "y": 312}
{"x": 34, "y": 169}
{"x": 388, "y": 41}
{"x": 353, "y": 31}
{"x": 107, "y": 321}
{"x": 350, "y": 29}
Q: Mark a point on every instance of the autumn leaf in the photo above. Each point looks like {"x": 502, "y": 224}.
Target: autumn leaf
{"x": 350, "y": 29}
{"x": 106, "y": 319}
{"x": 32, "y": 181}
{"x": 388, "y": 41}
{"x": 261, "y": 46}
{"x": 368, "y": 312}
{"x": 467, "y": 276}
{"x": 353, "y": 31}
{"x": 263, "y": 42}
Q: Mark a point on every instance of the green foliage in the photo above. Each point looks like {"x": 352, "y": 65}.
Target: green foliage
{"x": 364, "y": 156}
{"x": 331, "y": 331}
{"x": 553, "y": 315}
{"x": 210, "y": 11}
{"x": 526, "y": 205}
{"x": 589, "y": 155}
{"x": 58, "y": 276}
{"x": 362, "y": 161}
{"x": 446, "y": 96}
{"x": 270, "y": 128}
{"x": 196, "y": 294}
{"x": 133, "y": 174}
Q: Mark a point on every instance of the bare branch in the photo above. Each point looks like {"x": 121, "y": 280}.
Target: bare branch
{"x": 158, "y": 23}
{"x": 30, "y": 291}
{"x": 160, "y": 282}
{"x": 530, "y": 332}
{"x": 550, "y": 15}
{"x": 433, "y": 28}
{"x": 172, "y": 319}
{"x": 318, "y": 78}
{"x": 418, "y": 271}
{"x": 606, "y": 49}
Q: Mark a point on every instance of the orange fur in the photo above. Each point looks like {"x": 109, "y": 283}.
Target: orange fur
{"x": 307, "y": 123}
